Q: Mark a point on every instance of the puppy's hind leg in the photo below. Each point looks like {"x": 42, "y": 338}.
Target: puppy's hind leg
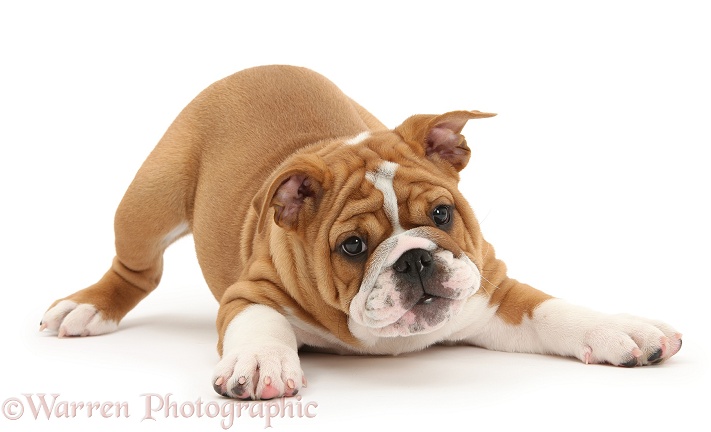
{"x": 154, "y": 213}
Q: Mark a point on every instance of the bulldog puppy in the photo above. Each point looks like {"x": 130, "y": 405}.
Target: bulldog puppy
{"x": 315, "y": 225}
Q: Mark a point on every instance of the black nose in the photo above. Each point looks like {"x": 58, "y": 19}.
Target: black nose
{"x": 415, "y": 264}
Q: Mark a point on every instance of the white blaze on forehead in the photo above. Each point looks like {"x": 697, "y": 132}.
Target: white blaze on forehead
{"x": 382, "y": 179}
{"x": 358, "y": 138}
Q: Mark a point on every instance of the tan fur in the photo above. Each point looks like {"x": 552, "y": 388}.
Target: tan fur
{"x": 218, "y": 168}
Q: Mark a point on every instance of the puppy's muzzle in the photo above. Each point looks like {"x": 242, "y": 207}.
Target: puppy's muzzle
{"x": 414, "y": 283}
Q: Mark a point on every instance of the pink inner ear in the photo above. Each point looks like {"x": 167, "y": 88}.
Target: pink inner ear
{"x": 440, "y": 138}
{"x": 444, "y": 142}
{"x": 289, "y": 198}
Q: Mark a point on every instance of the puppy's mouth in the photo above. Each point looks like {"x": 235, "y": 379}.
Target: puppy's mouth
{"x": 426, "y": 299}
{"x": 427, "y": 314}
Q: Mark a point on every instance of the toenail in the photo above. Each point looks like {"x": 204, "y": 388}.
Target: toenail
{"x": 656, "y": 355}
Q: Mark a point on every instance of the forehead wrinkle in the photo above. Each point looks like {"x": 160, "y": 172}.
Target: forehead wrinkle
{"x": 410, "y": 183}
{"x": 425, "y": 191}
{"x": 362, "y": 215}
{"x": 354, "y": 207}
{"x": 354, "y": 198}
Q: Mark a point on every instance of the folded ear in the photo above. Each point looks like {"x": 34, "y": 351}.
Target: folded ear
{"x": 438, "y": 136}
{"x": 294, "y": 187}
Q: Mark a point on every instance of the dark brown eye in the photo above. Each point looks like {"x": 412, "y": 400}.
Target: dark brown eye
{"x": 354, "y": 246}
{"x": 442, "y": 216}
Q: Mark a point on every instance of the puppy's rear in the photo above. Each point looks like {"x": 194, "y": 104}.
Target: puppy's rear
{"x": 205, "y": 170}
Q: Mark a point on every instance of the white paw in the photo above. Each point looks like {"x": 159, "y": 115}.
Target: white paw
{"x": 257, "y": 371}
{"x": 629, "y": 341}
{"x": 595, "y": 337}
{"x": 69, "y": 318}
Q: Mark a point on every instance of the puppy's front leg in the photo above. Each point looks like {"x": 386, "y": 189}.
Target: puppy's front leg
{"x": 259, "y": 354}
{"x": 527, "y": 320}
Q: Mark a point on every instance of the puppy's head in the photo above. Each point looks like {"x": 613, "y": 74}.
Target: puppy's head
{"x": 376, "y": 227}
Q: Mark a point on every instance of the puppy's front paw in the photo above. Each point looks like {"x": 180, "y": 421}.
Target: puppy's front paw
{"x": 70, "y": 318}
{"x": 259, "y": 372}
{"x": 629, "y": 341}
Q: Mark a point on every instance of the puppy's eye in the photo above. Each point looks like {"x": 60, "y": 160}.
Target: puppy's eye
{"x": 442, "y": 216}
{"x": 354, "y": 246}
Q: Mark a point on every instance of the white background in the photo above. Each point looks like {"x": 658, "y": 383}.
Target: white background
{"x": 593, "y": 184}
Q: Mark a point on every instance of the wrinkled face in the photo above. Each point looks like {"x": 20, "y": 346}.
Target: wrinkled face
{"x": 401, "y": 239}
{"x": 402, "y": 242}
